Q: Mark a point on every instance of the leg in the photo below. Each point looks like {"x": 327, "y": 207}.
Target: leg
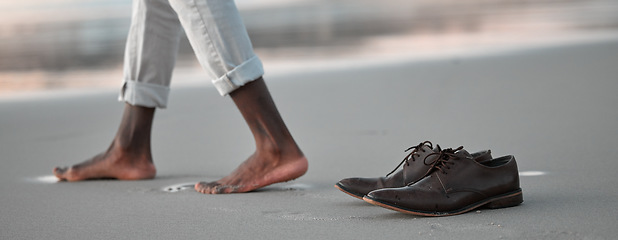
{"x": 221, "y": 44}
{"x": 128, "y": 157}
{"x": 150, "y": 54}
{"x": 277, "y": 158}
{"x": 149, "y": 59}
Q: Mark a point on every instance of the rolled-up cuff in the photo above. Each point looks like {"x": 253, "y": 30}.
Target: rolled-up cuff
{"x": 144, "y": 94}
{"x": 246, "y": 72}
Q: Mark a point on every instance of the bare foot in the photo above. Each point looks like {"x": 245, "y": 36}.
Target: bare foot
{"x": 129, "y": 156}
{"x": 256, "y": 172}
{"x": 112, "y": 164}
{"x": 277, "y": 157}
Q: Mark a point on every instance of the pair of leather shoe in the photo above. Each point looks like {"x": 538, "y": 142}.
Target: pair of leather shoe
{"x": 441, "y": 182}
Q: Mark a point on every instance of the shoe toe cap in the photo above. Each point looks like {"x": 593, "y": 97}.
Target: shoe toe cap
{"x": 358, "y": 186}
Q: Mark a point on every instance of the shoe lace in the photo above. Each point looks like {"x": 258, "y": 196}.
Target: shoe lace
{"x": 442, "y": 162}
{"x": 411, "y": 155}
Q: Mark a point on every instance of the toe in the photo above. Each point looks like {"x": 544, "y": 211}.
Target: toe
{"x": 200, "y": 187}
{"x": 60, "y": 173}
{"x": 207, "y": 187}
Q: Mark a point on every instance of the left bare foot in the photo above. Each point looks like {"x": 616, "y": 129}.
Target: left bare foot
{"x": 256, "y": 172}
{"x": 277, "y": 157}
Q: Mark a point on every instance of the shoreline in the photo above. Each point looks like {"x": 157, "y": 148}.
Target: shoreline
{"x": 45, "y": 84}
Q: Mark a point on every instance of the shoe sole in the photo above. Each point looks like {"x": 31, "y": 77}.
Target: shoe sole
{"x": 343, "y": 189}
{"x": 500, "y": 201}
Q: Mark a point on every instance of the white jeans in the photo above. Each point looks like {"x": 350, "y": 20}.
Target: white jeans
{"x": 216, "y": 33}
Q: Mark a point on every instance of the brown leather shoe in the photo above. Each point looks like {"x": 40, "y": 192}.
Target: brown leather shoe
{"x": 457, "y": 184}
{"x": 417, "y": 165}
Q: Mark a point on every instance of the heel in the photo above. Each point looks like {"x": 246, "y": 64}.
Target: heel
{"x": 508, "y": 200}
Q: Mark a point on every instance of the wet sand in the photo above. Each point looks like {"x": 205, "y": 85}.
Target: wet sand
{"x": 554, "y": 108}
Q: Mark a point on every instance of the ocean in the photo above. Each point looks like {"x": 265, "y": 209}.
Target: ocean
{"x": 43, "y": 38}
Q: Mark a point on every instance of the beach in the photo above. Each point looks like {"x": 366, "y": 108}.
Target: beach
{"x": 551, "y": 106}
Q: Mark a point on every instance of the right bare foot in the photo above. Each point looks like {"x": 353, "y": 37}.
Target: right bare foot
{"x": 129, "y": 156}
{"x": 113, "y": 164}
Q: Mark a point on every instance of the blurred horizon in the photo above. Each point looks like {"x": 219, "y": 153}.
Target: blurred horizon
{"x": 44, "y": 43}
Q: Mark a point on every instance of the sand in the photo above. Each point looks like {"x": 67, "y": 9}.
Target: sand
{"x": 553, "y": 107}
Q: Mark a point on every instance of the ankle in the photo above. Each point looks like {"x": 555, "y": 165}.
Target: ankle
{"x": 135, "y": 128}
{"x": 129, "y": 152}
{"x": 279, "y": 151}
{"x": 133, "y": 146}
{"x": 268, "y": 148}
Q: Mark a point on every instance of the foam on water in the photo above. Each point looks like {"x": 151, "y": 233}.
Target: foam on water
{"x": 532, "y": 173}
{"x": 45, "y": 179}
